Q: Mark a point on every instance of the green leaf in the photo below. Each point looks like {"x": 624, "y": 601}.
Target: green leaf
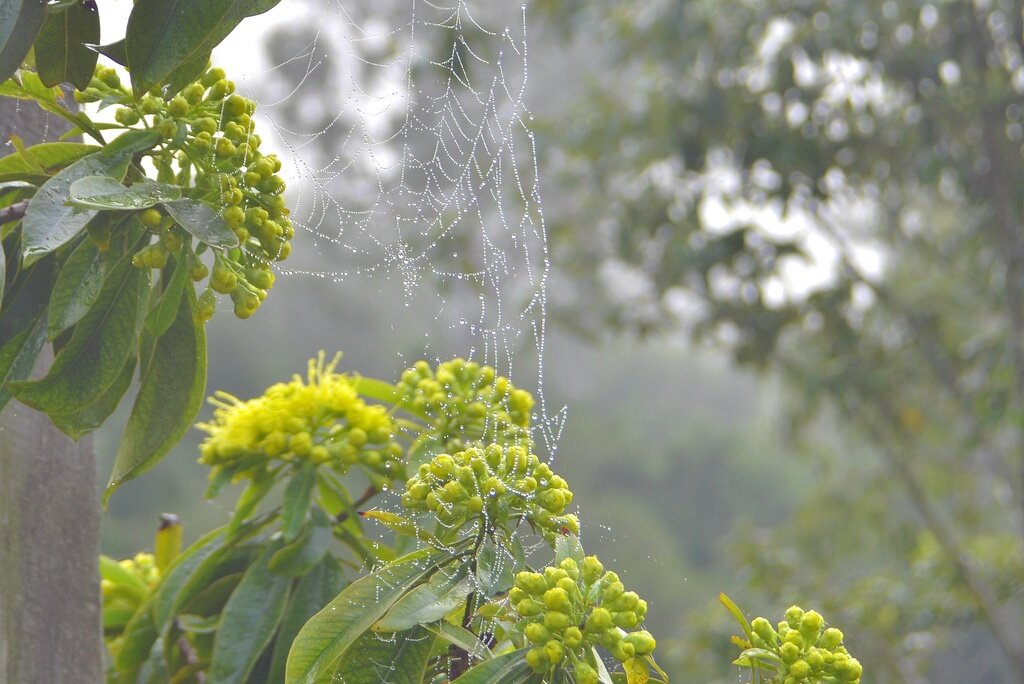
{"x": 388, "y": 658}
{"x": 306, "y": 551}
{"x": 328, "y": 635}
{"x": 463, "y": 638}
{"x": 164, "y": 34}
{"x": 738, "y": 615}
{"x": 507, "y": 668}
{"x": 297, "y": 497}
{"x": 170, "y": 396}
{"x": 188, "y": 72}
{"x": 314, "y": 591}
{"x": 194, "y": 624}
{"x": 249, "y": 620}
{"x": 60, "y": 50}
{"x": 31, "y": 88}
{"x": 165, "y": 311}
{"x": 194, "y": 562}
{"x": 49, "y": 222}
{"x": 19, "y": 23}
{"x": 138, "y": 638}
{"x": 114, "y": 51}
{"x": 50, "y": 156}
{"x": 80, "y": 423}
{"x": 377, "y": 389}
{"x": 495, "y": 569}
{"x": 103, "y": 192}
{"x": 112, "y": 571}
{"x": 430, "y": 602}
{"x": 202, "y": 222}
{"x": 23, "y": 329}
{"x": 568, "y": 546}
{"x": 78, "y": 284}
{"x": 99, "y": 347}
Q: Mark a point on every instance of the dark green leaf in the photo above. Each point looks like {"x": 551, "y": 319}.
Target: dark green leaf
{"x": 95, "y": 356}
{"x": 49, "y": 222}
{"x": 249, "y": 620}
{"x": 78, "y": 284}
{"x": 203, "y": 222}
{"x": 188, "y": 72}
{"x": 195, "y": 561}
{"x": 170, "y": 396}
{"x": 61, "y": 54}
{"x": 495, "y": 569}
{"x": 388, "y": 658}
{"x": 461, "y": 637}
{"x": 115, "y": 51}
{"x": 163, "y": 313}
{"x": 18, "y": 356}
{"x": 103, "y": 192}
{"x": 508, "y": 668}
{"x": 31, "y": 88}
{"x": 138, "y": 637}
{"x": 302, "y": 554}
{"x": 19, "y": 23}
{"x": 77, "y": 424}
{"x": 313, "y": 592}
{"x": 50, "y": 156}
{"x": 429, "y": 602}
{"x": 164, "y": 34}
{"x": 328, "y": 635}
{"x": 297, "y": 496}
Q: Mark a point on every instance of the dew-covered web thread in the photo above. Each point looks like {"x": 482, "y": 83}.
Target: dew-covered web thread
{"x": 403, "y": 125}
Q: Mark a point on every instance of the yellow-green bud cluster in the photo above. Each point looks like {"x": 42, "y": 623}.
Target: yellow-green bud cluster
{"x": 569, "y": 608}
{"x": 468, "y": 404}
{"x": 321, "y": 419}
{"x": 210, "y": 149}
{"x": 494, "y": 484}
{"x": 121, "y": 599}
{"x": 807, "y": 650}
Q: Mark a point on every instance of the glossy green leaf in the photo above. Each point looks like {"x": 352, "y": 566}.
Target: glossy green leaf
{"x": 430, "y": 602}
{"x": 508, "y": 668}
{"x": 78, "y": 284}
{"x": 60, "y": 50}
{"x": 188, "y": 72}
{"x": 164, "y": 34}
{"x": 50, "y": 156}
{"x": 202, "y": 222}
{"x": 80, "y": 423}
{"x": 103, "y": 192}
{"x": 193, "y": 563}
{"x": 170, "y": 395}
{"x": 114, "y": 51}
{"x": 495, "y": 569}
{"x": 165, "y": 311}
{"x": 100, "y": 346}
{"x": 463, "y": 638}
{"x": 29, "y": 87}
{"x": 388, "y": 658}
{"x": 313, "y": 592}
{"x": 50, "y": 222}
{"x": 297, "y": 496}
{"x": 138, "y": 637}
{"x": 20, "y": 21}
{"x": 249, "y": 620}
{"x": 322, "y": 641}
{"x": 23, "y": 327}
{"x": 307, "y": 550}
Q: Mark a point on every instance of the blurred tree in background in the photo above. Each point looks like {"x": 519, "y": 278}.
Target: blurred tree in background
{"x": 831, "y": 190}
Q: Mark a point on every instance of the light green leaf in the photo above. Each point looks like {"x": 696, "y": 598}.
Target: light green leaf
{"x": 100, "y": 346}
{"x": 568, "y": 546}
{"x": 60, "y": 51}
{"x": 429, "y": 602}
{"x": 78, "y": 284}
{"x": 50, "y": 156}
{"x": 388, "y": 658}
{"x": 249, "y": 620}
{"x": 195, "y": 624}
{"x": 165, "y": 311}
{"x": 301, "y": 555}
{"x": 19, "y": 23}
{"x": 170, "y": 396}
{"x": 164, "y": 34}
{"x": 202, "y": 222}
{"x": 80, "y": 423}
{"x": 463, "y": 638}
{"x": 314, "y": 591}
{"x": 29, "y": 87}
{"x": 194, "y": 562}
{"x": 112, "y": 571}
{"x": 297, "y": 497}
{"x": 508, "y": 668}
{"x": 495, "y": 569}
{"x": 323, "y": 641}
{"x": 104, "y": 192}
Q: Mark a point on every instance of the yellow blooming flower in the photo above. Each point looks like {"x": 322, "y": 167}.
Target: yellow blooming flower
{"x": 319, "y": 418}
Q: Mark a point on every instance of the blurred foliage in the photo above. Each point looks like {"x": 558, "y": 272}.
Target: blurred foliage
{"x": 830, "y": 190}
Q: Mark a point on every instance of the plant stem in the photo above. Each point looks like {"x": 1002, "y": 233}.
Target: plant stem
{"x": 15, "y": 212}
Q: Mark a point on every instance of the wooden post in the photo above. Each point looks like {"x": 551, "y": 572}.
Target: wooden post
{"x": 50, "y": 624}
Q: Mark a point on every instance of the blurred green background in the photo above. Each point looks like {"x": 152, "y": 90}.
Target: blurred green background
{"x": 787, "y": 312}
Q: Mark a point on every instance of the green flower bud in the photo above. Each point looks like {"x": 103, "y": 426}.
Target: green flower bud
{"x": 599, "y": 620}
{"x": 150, "y": 105}
{"x": 800, "y": 669}
{"x": 793, "y": 616}
{"x": 763, "y": 629}
{"x": 536, "y": 633}
{"x": 584, "y": 674}
{"x": 531, "y": 582}
{"x": 151, "y": 218}
{"x": 537, "y": 659}
{"x": 529, "y": 608}
{"x": 626, "y": 619}
{"x": 831, "y": 638}
{"x": 212, "y": 76}
{"x": 554, "y": 651}
{"x": 611, "y": 592}
{"x": 810, "y": 626}
{"x": 626, "y": 601}
{"x": 515, "y": 594}
{"x": 789, "y": 652}
{"x": 552, "y": 575}
{"x": 642, "y": 641}
{"x": 556, "y": 599}
{"x": 556, "y": 621}
{"x": 126, "y": 117}
{"x": 573, "y": 637}
{"x": 592, "y": 570}
{"x": 178, "y": 106}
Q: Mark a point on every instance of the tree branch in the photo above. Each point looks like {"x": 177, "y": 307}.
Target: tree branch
{"x": 15, "y": 212}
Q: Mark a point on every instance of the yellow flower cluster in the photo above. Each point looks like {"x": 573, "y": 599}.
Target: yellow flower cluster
{"x": 320, "y": 418}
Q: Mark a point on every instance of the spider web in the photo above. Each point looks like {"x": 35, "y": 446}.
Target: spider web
{"x": 405, "y": 134}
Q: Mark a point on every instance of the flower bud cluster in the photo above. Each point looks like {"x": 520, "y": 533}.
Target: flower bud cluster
{"x": 321, "y": 419}
{"x": 468, "y": 404}
{"x": 210, "y": 150}
{"x": 494, "y": 484}
{"x": 121, "y": 599}
{"x": 569, "y": 608}
{"x": 143, "y": 566}
{"x": 808, "y": 651}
